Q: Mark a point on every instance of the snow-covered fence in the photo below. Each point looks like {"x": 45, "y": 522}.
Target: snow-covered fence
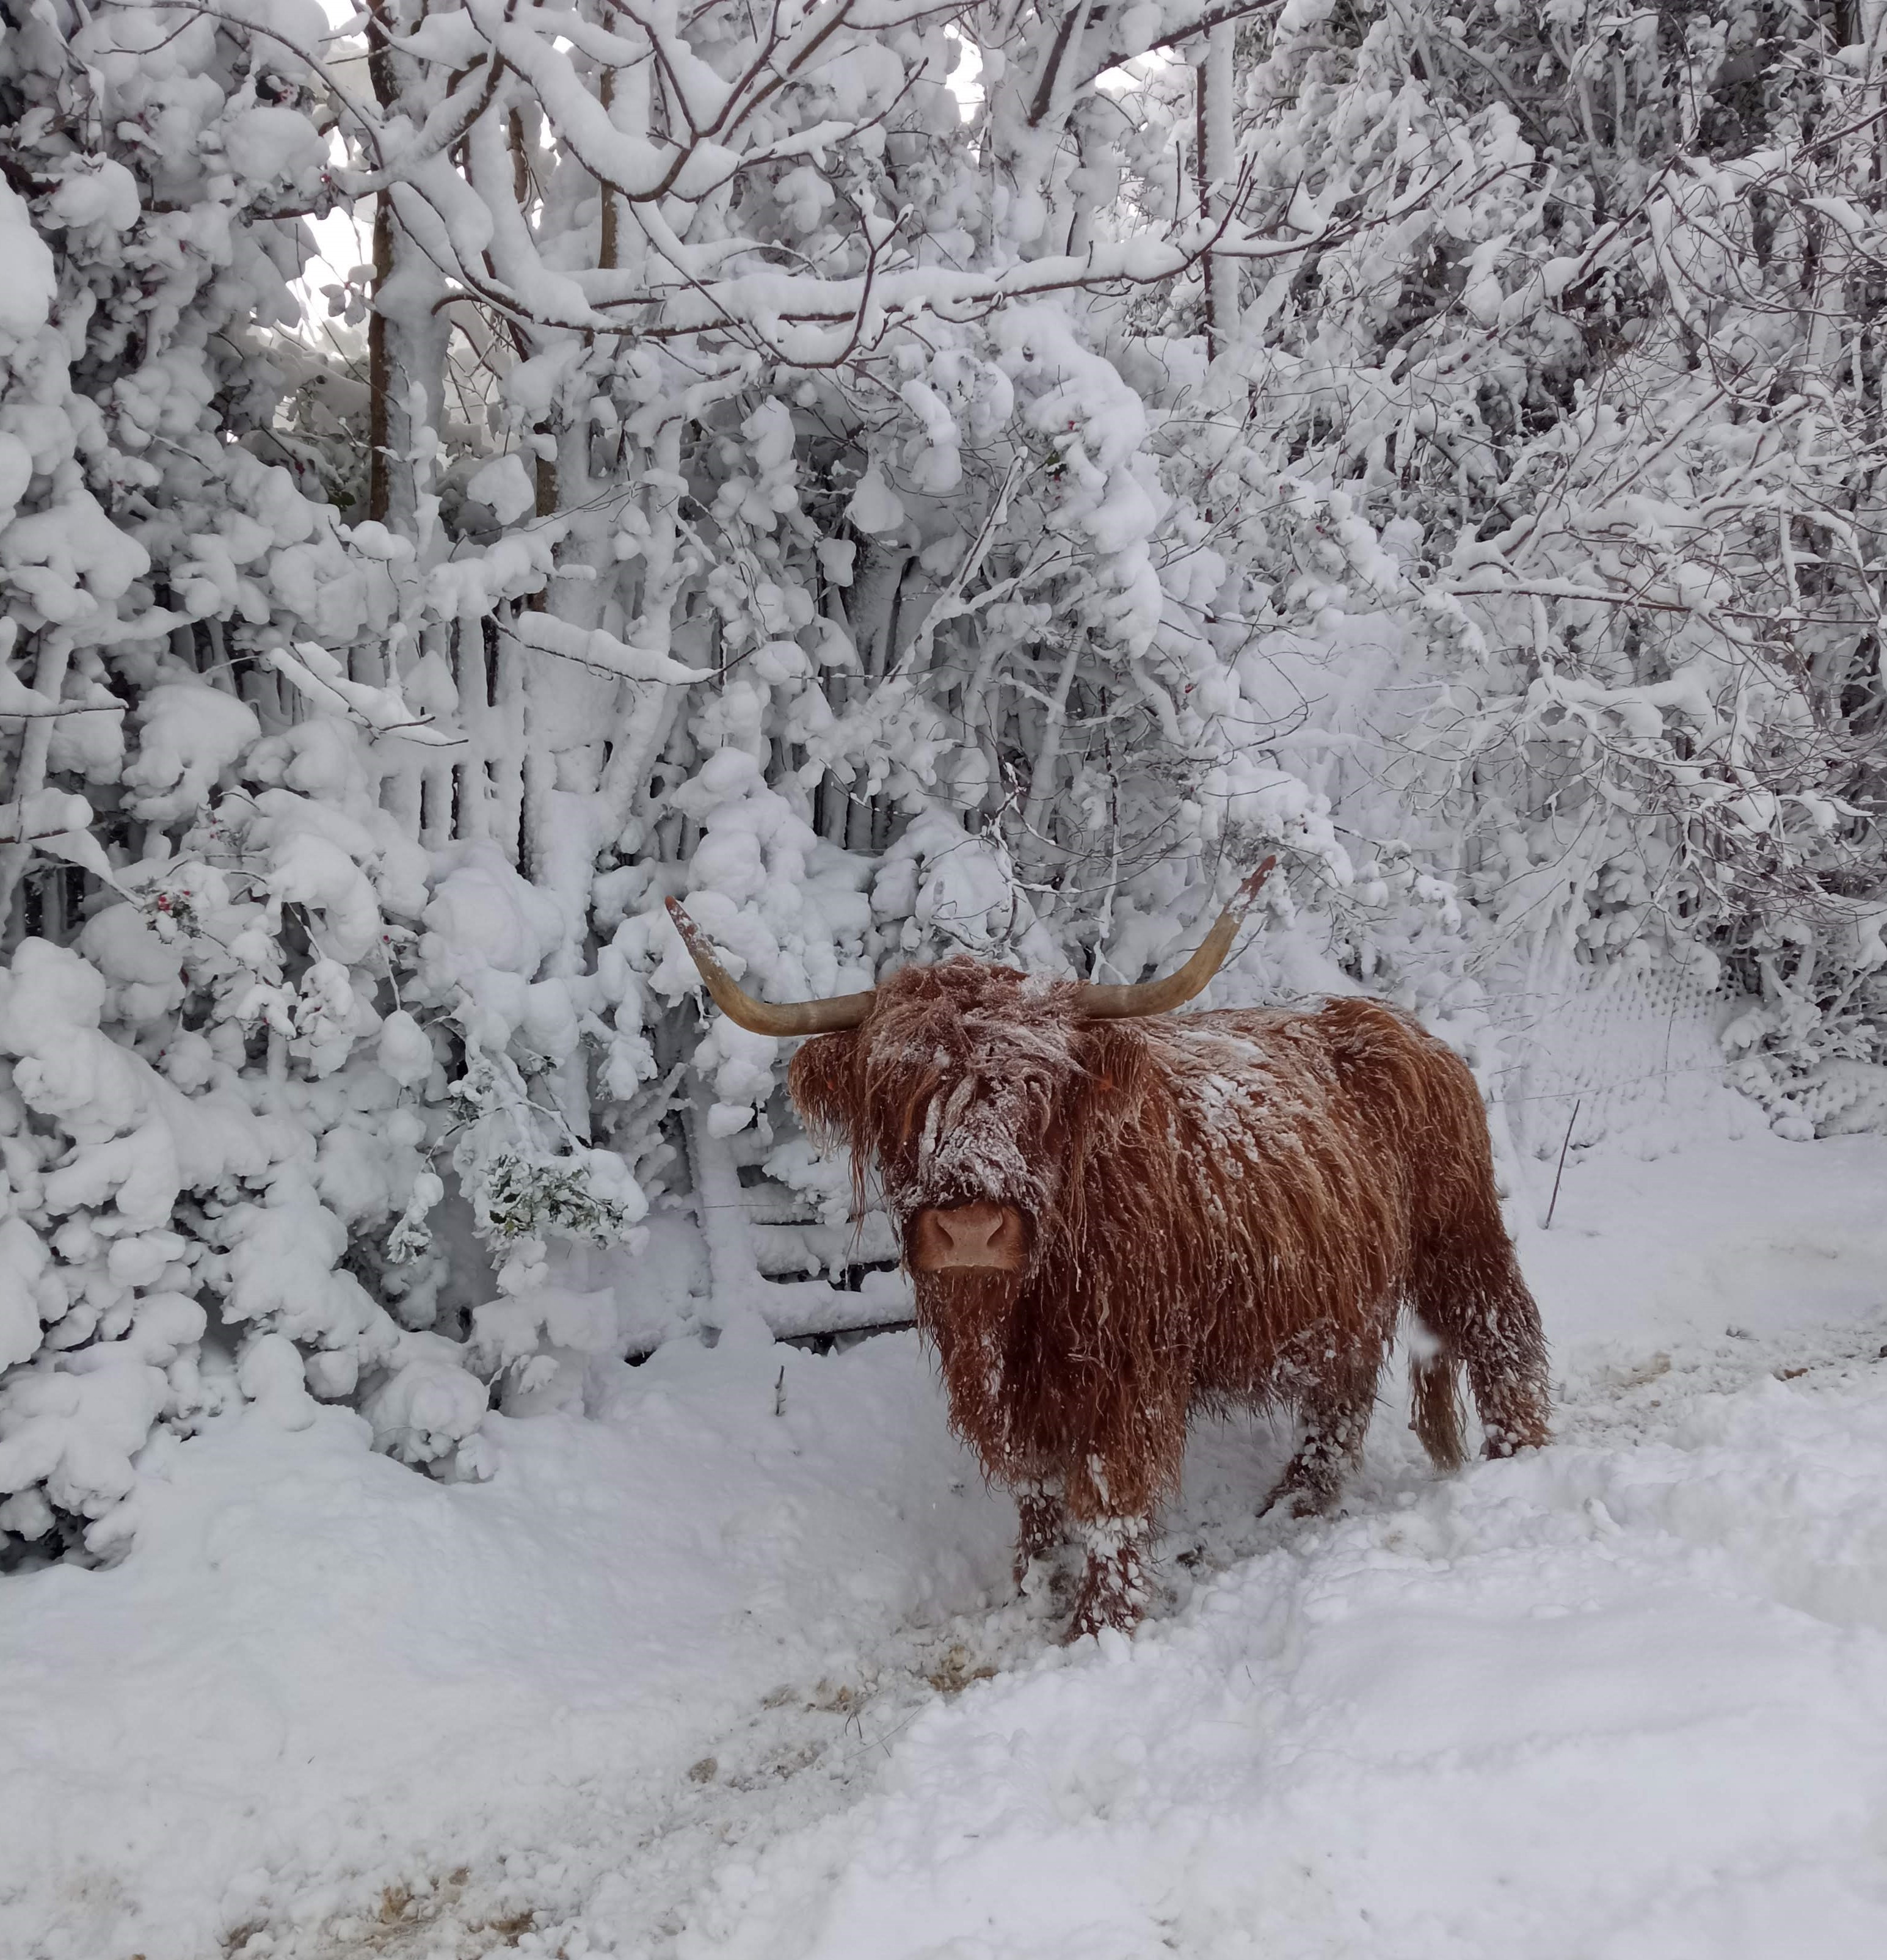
{"x": 1625, "y": 1051}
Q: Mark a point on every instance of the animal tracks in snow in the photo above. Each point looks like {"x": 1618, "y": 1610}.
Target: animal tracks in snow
{"x": 1622, "y": 1608}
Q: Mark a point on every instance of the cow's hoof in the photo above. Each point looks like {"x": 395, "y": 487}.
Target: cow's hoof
{"x": 1501, "y": 1443}
{"x": 1122, "y": 1611}
{"x": 1088, "y": 1626}
{"x": 1041, "y": 1578}
{"x": 1293, "y": 1498}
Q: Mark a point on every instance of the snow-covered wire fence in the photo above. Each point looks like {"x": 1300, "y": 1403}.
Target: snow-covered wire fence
{"x": 1638, "y": 1049}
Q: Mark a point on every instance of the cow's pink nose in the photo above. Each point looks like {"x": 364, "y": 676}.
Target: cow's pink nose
{"x": 962, "y": 1238}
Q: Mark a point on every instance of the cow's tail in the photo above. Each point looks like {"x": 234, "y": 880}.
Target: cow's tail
{"x": 1434, "y": 1377}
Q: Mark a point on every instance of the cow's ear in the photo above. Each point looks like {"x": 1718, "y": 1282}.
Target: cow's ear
{"x": 823, "y": 1083}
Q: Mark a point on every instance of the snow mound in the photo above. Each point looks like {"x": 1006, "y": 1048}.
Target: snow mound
{"x": 1601, "y": 1701}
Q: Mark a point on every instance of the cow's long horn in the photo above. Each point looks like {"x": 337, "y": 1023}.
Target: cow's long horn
{"x": 1160, "y": 997}
{"x": 763, "y": 1017}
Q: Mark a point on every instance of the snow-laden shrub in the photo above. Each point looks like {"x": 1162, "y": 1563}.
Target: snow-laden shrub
{"x": 232, "y": 1103}
{"x": 239, "y": 992}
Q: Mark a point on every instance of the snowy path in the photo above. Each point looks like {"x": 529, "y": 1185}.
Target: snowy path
{"x": 686, "y": 1682}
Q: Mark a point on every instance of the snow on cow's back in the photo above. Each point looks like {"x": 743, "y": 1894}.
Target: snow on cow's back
{"x": 1267, "y": 1076}
{"x": 1245, "y": 1065}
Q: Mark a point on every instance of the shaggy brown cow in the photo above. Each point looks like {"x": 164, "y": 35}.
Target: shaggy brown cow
{"x": 1114, "y": 1216}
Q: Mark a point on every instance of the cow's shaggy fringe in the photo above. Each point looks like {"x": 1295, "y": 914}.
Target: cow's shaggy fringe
{"x": 1222, "y": 1209}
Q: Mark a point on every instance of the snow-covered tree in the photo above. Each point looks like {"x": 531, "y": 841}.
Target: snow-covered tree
{"x": 900, "y": 478}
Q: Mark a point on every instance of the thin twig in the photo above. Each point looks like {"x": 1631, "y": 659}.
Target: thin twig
{"x": 1553, "y": 1200}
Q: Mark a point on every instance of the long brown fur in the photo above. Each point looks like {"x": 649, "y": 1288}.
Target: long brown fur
{"x": 1223, "y": 1209}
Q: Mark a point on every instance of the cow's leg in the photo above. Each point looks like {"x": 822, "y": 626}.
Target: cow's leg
{"x": 1507, "y": 1372}
{"x": 1114, "y": 1581}
{"x": 1043, "y": 1523}
{"x": 1469, "y": 1294}
{"x": 1336, "y": 1404}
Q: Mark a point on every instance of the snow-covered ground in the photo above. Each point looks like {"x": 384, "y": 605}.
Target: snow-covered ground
{"x": 734, "y": 1670}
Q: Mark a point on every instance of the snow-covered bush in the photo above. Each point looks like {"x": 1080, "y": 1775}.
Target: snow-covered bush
{"x": 231, "y": 1025}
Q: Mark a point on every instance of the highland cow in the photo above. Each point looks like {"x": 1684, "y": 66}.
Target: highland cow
{"x": 1114, "y": 1216}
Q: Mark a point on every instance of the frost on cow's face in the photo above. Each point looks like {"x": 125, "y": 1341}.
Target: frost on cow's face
{"x": 956, "y": 1092}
